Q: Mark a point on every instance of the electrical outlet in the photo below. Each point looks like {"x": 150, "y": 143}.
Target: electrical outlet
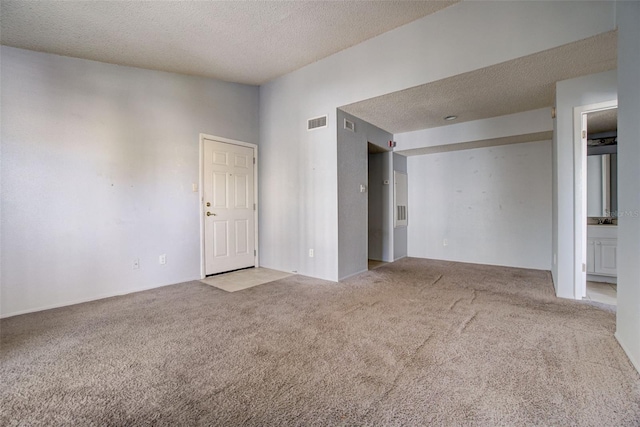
{"x": 194, "y": 187}
{"x": 310, "y": 253}
{"x": 136, "y": 263}
{"x": 445, "y": 242}
{"x": 162, "y": 259}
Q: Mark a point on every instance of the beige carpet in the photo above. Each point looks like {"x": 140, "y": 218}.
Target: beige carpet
{"x": 244, "y": 279}
{"x": 415, "y": 342}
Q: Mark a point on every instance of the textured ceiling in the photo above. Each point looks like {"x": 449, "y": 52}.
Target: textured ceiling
{"x": 241, "y": 41}
{"x": 523, "y": 84}
{"x": 602, "y": 121}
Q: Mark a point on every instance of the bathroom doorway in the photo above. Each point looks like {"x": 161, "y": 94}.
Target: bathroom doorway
{"x": 596, "y": 278}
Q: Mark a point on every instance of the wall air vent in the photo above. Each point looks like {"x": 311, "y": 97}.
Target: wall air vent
{"x": 400, "y": 198}
{"x": 402, "y": 213}
{"x": 349, "y": 125}
{"x": 317, "y": 123}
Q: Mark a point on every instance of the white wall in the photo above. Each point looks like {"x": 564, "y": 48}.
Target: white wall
{"x": 98, "y": 161}
{"x": 352, "y": 204}
{"x": 444, "y": 206}
{"x": 628, "y": 314}
{"x": 492, "y": 205}
{"x": 299, "y": 168}
{"x": 526, "y": 122}
{"x": 586, "y": 90}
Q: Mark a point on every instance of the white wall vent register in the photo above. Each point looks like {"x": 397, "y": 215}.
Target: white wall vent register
{"x": 349, "y": 125}
{"x": 400, "y": 198}
{"x": 402, "y": 213}
{"x": 317, "y": 123}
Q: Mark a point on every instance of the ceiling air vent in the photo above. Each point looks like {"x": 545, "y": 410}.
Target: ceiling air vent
{"x": 349, "y": 125}
{"x": 317, "y": 122}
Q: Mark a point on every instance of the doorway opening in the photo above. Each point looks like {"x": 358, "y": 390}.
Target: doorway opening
{"x": 379, "y": 200}
{"x": 596, "y": 202}
{"x": 228, "y": 205}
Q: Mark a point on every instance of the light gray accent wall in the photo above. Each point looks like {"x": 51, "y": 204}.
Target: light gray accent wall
{"x": 628, "y": 311}
{"x": 491, "y": 205}
{"x": 586, "y": 90}
{"x": 98, "y": 163}
{"x": 400, "y": 233}
{"x": 298, "y": 169}
{"x": 352, "y": 204}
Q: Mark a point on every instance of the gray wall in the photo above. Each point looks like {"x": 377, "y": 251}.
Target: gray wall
{"x": 400, "y": 233}
{"x": 352, "y": 204}
{"x": 628, "y": 312}
{"x": 98, "y": 163}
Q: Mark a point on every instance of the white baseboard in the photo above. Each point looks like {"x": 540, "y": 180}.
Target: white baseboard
{"x": 602, "y": 279}
{"x": 89, "y": 299}
{"x": 626, "y": 350}
{"x": 352, "y": 274}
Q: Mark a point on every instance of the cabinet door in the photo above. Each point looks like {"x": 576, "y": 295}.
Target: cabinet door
{"x": 606, "y": 257}
{"x": 591, "y": 256}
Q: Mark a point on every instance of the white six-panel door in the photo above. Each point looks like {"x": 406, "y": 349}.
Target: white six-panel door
{"x": 228, "y": 203}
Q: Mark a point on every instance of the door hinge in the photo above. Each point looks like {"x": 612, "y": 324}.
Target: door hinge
{"x": 584, "y": 134}
{"x": 254, "y": 160}
{"x": 584, "y": 268}
{"x": 254, "y": 252}
{"x": 254, "y": 206}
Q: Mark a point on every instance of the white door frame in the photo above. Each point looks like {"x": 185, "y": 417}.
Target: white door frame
{"x": 254, "y": 147}
{"x": 580, "y": 195}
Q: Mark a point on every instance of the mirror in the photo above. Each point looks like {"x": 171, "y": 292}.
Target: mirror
{"x": 602, "y": 164}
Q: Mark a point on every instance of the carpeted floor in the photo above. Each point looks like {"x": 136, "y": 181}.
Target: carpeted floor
{"x": 416, "y": 342}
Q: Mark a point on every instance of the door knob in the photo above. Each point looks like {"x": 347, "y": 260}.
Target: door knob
{"x": 209, "y": 214}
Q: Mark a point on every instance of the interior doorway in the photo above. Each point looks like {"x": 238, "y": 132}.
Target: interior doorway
{"x": 595, "y": 130}
{"x": 228, "y": 196}
{"x": 379, "y": 165}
